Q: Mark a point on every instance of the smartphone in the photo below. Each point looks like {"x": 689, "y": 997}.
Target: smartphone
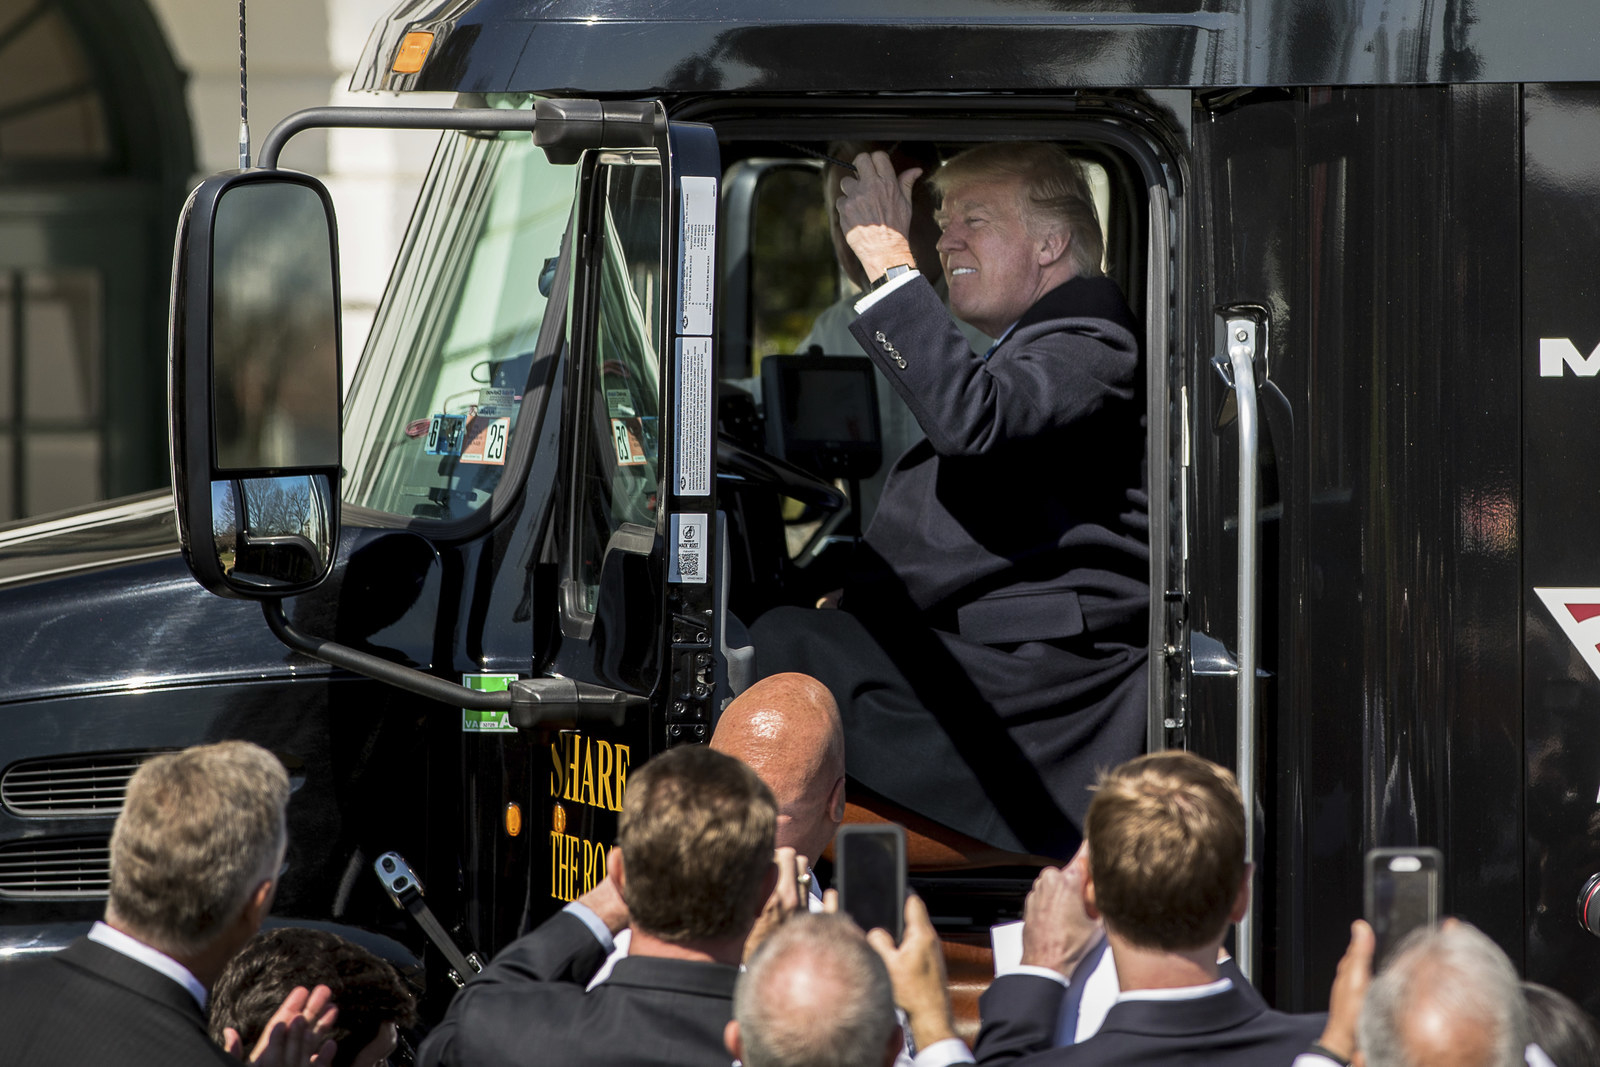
{"x": 871, "y": 871}
{"x": 1401, "y": 893}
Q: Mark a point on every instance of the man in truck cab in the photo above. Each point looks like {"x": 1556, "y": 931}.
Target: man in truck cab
{"x": 990, "y": 653}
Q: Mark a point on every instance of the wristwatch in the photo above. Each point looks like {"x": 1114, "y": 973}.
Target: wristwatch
{"x": 890, "y": 275}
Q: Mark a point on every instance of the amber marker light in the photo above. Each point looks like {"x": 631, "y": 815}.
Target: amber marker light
{"x": 413, "y": 52}
{"x": 513, "y": 820}
{"x": 558, "y": 818}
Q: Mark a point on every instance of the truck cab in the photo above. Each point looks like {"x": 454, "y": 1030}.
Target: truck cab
{"x": 1350, "y": 240}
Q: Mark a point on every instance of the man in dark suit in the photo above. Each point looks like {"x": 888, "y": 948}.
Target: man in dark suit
{"x": 1167, "y": 873}
{"x": 195, "y": 858}
{"x": 692, "y": 867}
{"x": 991, "y": 651}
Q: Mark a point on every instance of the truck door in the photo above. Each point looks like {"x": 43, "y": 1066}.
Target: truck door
{"x": 1384, "y": 336}
{"x": 627, "y": 569}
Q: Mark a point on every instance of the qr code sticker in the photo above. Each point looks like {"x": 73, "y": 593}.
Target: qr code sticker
{"x": 689, "y": 538}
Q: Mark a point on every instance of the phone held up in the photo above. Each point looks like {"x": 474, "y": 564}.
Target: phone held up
{"x": 1402, "y": 890}
{"x": 871, "y": 875}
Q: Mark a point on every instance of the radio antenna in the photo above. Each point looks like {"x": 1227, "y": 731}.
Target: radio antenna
{"x": 244, "y": 100}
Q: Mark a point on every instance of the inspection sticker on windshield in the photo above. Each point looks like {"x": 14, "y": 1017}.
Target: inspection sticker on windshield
{"x": 444, "y": 435}
{"x": 689, "y": 552}
{"x": 486, "y": 441}
{"x": 697, "y": 244}
{"x": 487, "y": 722}
{"x": 627, "y": 435}
{"x": 694, "y": 394}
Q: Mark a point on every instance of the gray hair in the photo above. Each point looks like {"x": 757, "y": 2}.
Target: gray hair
{"x": 199, "y": 831}
{"x": 1055, "y": 192}
{"x": 815, "y": 994}
{"x": 1458, "y": 972}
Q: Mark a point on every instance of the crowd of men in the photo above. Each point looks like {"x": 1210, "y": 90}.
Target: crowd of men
{"x": 728, "y": 958}
{"x": 709, "y": 940}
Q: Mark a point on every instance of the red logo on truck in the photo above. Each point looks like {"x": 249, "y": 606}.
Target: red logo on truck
{"x": 1578, "y": 612}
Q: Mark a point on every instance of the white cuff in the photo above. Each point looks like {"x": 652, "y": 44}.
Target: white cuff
{"x": 878, "y": 294}
{"x": 593, "y": 922}
{"x": 944, "y": 1053}
{"x": 1311, "y": 1059}
{"x": 1040, "y": 972}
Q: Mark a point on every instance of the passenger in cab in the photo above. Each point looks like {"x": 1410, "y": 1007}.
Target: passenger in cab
{"x": 990, "y": 653}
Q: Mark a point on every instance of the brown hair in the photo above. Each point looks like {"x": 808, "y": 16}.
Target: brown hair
{"x": 199, "y": 831}
{"x": 1167, "y": 849}
{"x": 696, "y": 834}
{"x": 1055, "y": 192}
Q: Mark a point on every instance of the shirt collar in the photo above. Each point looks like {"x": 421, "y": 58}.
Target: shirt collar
{"x": 134, "y": 949}
{"x": 1190, "y": 992}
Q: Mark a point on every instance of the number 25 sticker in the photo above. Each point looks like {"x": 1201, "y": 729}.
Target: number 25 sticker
{"x": 486, "y": 441}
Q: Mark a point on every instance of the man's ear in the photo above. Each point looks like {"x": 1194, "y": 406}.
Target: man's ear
{"x": 1053, "y": 245}
{"x": 1241, "y": 902}
{"x": 730, "y": 1038}
{"x": 259, "y": 903}
{"x": 836, "y": 802}
{"x": 1089, "y": 908}
{"x": 614, "y": 870}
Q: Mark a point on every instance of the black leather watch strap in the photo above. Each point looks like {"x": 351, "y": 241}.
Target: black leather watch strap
{"x": 890, "y": 275}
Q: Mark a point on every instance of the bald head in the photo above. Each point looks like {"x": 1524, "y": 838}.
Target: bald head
{"x": 1448, "y": 998}
{"x": 815, "y": 994}
{"x": 787, "y": 729}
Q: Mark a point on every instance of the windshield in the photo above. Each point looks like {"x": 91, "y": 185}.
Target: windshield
{"x": 432, "y": 410}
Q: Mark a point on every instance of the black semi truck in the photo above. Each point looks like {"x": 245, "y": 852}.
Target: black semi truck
{"x": 1356, "y": 236}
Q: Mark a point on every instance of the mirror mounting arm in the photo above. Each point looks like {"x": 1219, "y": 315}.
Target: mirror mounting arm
{"x": 565, "y": 127}
{"x": 532, "y": 702}
{"x": 364, "y": 663}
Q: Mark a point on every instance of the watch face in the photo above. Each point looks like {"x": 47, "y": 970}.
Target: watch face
{"x": 892, "y": 273}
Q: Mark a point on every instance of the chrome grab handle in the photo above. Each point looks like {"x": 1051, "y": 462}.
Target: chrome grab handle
{"x": 1241, "y": 338}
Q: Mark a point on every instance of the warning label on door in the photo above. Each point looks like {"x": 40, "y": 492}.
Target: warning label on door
{"x": 697, "y": 249}
{"x": 694, "y": 393}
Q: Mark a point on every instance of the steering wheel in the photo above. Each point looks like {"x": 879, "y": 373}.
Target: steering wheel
{"x": 784, "y": 477}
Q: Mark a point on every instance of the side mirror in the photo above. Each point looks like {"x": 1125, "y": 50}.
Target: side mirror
{"x": 254, "y": 384}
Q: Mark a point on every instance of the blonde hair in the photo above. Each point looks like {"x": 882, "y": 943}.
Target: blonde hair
{"x": 1167, "y": 849}
{"x": 1055, "y": 192}
{"x": 199, "y": 831}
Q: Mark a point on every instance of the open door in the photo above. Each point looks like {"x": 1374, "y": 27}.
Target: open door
{"x": 635, "y": 540}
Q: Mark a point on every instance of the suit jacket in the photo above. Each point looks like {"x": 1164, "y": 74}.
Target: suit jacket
{"x": 88, "y": 1004}
{"x": 1015, "y": 532}
{"x": 1234, "y": 1028}
{"x": 529, "y": 1007}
